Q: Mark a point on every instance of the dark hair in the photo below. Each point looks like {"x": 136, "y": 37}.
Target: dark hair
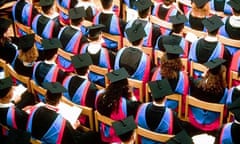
{"x": 76, "y": 22}
{"x": 48, "y": 54}
{"x": 108, "y": 101}
{"x": 144, "y": 13}
{"x": 177, "y": 28}
{"x": 106, "y": 3}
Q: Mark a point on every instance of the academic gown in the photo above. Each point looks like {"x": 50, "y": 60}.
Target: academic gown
{"x": 72, "y": 42}
{"x": 158, "y": 119}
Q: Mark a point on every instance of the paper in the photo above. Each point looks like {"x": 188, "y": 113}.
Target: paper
{"x": 203, "y": 139}
{"x": 70, "y": 113}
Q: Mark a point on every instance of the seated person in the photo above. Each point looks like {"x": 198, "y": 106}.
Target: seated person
{"x": 156, "y": 117}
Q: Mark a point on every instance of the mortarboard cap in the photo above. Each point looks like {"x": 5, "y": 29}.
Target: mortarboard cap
{"x": 81, "y": 61}
{"x": 235, "y": 4}
{"x": 124, "y": 126}
{"x": 136, "y": 32}
{"x": 160, "y": 89}
{"x": 45, "y": 2}
{"x": 180, "y": 138}
{"x": 200, "y": 3}
{"x": 117, "y": 75}
{"x": 143, "y": 4}
{"x": 76, "y": 13}
{"x": 173, "y": 51}
{"x": 4, "y": 25}
{"x": 26, "y": 42}
{"x": 212, "y": 23}
{"x": 214, "y": 65}
{"x": 49, "y": 44}
{"x": 54, "y": 87}
{"x": 95, "y": 30}
{"x": 235, "y": 109}
{"x": 178, "y": 19}
{"x": 5, "y": 84}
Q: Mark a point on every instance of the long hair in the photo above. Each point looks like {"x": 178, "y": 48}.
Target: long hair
{"x": 214, "y": 83}
{"x": 170, "y": 67}
{"x": 108, "y": 102}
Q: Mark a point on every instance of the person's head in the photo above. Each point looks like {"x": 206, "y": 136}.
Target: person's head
{"x": 135, "y": 34}
{"x": 81, "y": 63}
{"x": 178, "y": 23}
{"x": 95, "y": 32}
{"x": 107, "y": 4}
{"x": 27, "y": 49}
{"x": 171, "y": 63}
{"x": 215, "y": 79}
{"x": 125, "y": 129}
{"x": 77, "y": 15}
{"x": 5, "y": 30}
{"x": 168, "y": 2}
{"x": 54, "y": 92}
{"x": 46, "y": 6}
{"x": 144, "y": 7}
{"x": 50, "y": 48}
{"x": 6, "y": 91}
{"x": 200, "y": 8}
{"x": 159, "y": 90}
{"x": 118, "y": 87}
{"x": 235, "y": 4}
{"x": 213, "y": 24}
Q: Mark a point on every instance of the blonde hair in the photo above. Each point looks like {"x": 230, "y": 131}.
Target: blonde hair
{"x": 29, "y": 56}
{"x": 200, "y": 12}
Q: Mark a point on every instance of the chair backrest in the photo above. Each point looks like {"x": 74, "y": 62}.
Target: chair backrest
{"x": 23, "y": 79}
{"x": 151, "y": 135}
{"x": 175, "y": 97}
{"x": 139, "y": 86}
{"x": 213, "y": 107}
{"x": 233, "y": 75}
{"x": 101, "y": 119}
{"x": 197, "y": 66}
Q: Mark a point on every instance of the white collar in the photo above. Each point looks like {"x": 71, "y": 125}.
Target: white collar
{"x": 235, "y": 21}
{"x": 211, "y": 38}
{"x": 6, "y": 105}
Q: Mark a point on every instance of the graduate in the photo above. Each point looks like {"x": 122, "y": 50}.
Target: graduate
{"x": 72, "y": 37}
{"x": 155, "y": 116}
{"x": 47, "y": 70}
{"x": 171, "y": 68}
{"x": 100, "y": 56}
{"x": 23, "y": 12}
{"x": 28, "y": 54}
{"x": 113, "y": 103}
{"x": 46, "y": 25}
{"x": 152, "y": 30}
{"x": 176, "y": 36}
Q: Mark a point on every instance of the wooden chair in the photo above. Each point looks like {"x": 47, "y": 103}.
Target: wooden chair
{"x": 3, "y": 66}
{"x": 158, "y": 137}
{"x": 22, "y": 79}
{"x": 213, "y": 107}
{"x": 101, "y": 119}
{"x": 233, "y": 75}
{"x": 175, "y": 97}
{"x": 197, "y": 66}
{"x": 137, "y": 85}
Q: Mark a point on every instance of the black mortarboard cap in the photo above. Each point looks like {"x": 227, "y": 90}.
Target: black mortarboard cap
{"x": 235, "y": 109}
{"x": 26, "y": 42}
{"x": 200, "y": 3}
{"x": 5, "y": 84}
{"x": 212, "y": 23}
{"x": 81, "y": 61}
{"x": 4, "y": 24}
{"x": 178, "y": 19}
{"x": 143, "y": 4}
{"x": 235, "y": 4}
{"x": 160, "y": 89}
{"x": 53, "y": 43}
{"x": 117, "y": 75}
{"x": 136, "y": 32}
{"x": 215, "y": 65}
{"x": 124, "y": 126}
{"x": 46, "y": 2}
{"x": 173, "y": 51}
{"x": 95, "y": 30}
{"x": 180, "y": 138}
{"x": 54, "y": 87}
{"x": 76, "y": 13}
